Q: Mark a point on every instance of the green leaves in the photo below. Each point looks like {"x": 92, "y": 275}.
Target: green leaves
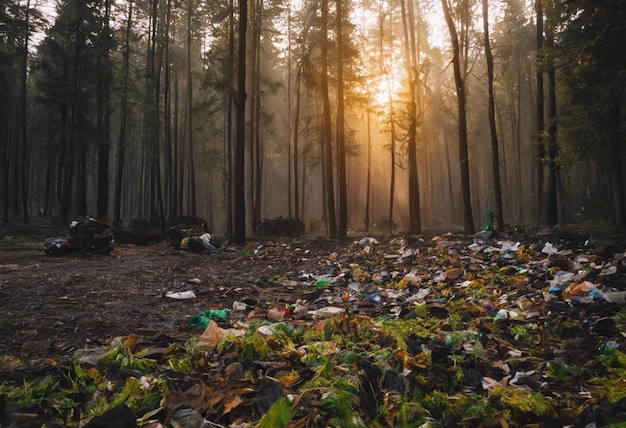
{"x": 278, "y": 416}
{"x": 522, "y": 401}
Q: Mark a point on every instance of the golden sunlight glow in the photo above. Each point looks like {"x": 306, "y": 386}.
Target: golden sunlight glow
{"x": 385, "y": 61}
{"x": 380, "y": 93}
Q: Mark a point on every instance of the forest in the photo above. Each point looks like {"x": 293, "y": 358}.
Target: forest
{"x": 352, "y": 115}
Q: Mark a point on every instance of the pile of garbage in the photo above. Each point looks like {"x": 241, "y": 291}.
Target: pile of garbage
{"x": 89, "y": 236}
{"x": 96, "y": 236}
{"x": 191, "y": 233}
{"x": 486, "y": 332}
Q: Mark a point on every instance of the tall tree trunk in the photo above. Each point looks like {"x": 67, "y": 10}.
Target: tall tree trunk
{"x": 297, "y": 195}
{"x": 341, "y": 131}
{"x": 519, "y": 164}
{"x": 257, "y": 165}
{"x": 103, "y": 116}
{"x": 153, "y": 68}
{"x": 150, "y": 133}
{"x": 229, "y": 178}
{"x": 240, "y": 128}
{"x": 552, "y": 210}
{"x": 459, "y": 79}
{"x": 408, "y": 26}
{"x": 327, "y": 128}
{"x": 72, "y": 149}
{"x": 81, "y": 178}
{"x": 495, "y": 156}
{"x": 307, "y": 139}
{"x": 121, "y": 144}
{"x": 291, "y": 160}
{"x": 52, "y": 162}
{"x": 296, "y": 131}
{"x": 6, "y": 176}
{"x": 64, "y": 180}
{"x": 389, "y": 77}
{"x": 392, "y": 184}
{"x": 617, "y": 161}
{"x": 253, "y": 93}
{"x": 79, "y": 143}
{"x": 23, "y": 151}
{"x": 540, "y": 147}
{"x": 179, "y": 147}
{"x": 5, "y": 172}
{"x": 189, "y": 127}
{"x": 368, "y": 186}
{"x": 158, "y": 176}
{"x": 414, "y": 197}
{"x": 169, "y": 154}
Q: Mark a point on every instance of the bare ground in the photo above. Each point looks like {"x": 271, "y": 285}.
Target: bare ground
{"x": 52, "y": 306}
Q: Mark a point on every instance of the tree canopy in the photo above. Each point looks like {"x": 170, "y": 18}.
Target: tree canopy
{"x": 154, "y": 109}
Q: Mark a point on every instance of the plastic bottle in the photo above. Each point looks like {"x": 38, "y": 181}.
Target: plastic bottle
{"x": 203, "y": 320}
{"x": 322, "y": 282}
{"x": 374, "y": 297}
{"x": 489, "y": 223}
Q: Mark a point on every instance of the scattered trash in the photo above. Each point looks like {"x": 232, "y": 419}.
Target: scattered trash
{"x": 181, "y": 295}
{"x": 211, "y": 335}
{"x": 191, "y": 233}
{"x": 322, "y": 282}
{"x": 207, "y": 316}
{"x": 277, "y": 314}
{"x": 489, "y": 220}
{"x": 239, "y": 306}
{"x": 198, "y": 243}
{"x": 548, "y": 248}
{"x": 493, "y": 331}
{"x": 368, "y": 241}
{"x": 57, "y": 246}
{"x": 327, "y": 311}
{"x": 89, "y": 236}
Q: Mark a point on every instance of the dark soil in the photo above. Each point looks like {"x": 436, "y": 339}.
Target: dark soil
{"x": 52, "y": 306}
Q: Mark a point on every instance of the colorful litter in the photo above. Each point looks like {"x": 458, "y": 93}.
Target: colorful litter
{"x": 523, "y": 331}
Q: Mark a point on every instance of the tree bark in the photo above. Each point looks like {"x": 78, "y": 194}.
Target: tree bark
{"x": 368, "y": 185}
{"x": 617, "y": 164}
{"x": 296, "y": 131}
{"x": 23, "y": 150}
{"x": 327, "y": 128}
{"x": 240, "y": 128}
{"x": 341, "y": 132}
{"x": 540, "y": 147}
{"x": 459, "y": 79}
{"x": 408, "y": 19}
{"x": 104, "y": 114}
{"x": 191, "y": 161}
{"x": 495, "y": 160}
{"x": 257, "y": 152}
{"x": 228, "y": 124}
{"x": 552, "y": 207}
{"x": 387, "y": 72}
{"x": 170, "y": 190}
{"x": 121, "y": 144}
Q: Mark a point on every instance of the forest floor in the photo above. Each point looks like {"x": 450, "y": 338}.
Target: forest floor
{"x": 376, "y": 331}
{"x": 52, "y": 306}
